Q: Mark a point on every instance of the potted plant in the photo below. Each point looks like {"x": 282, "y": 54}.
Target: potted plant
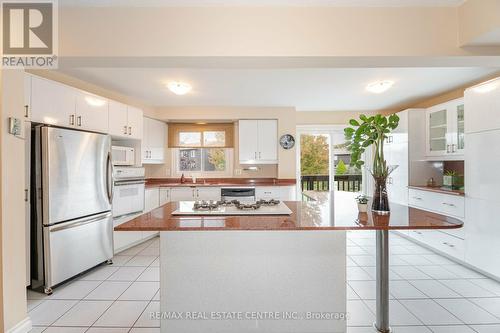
{"x": 362, "y": 203}
{"x": 452, "y": 180}
{"x": 367, "y": 132}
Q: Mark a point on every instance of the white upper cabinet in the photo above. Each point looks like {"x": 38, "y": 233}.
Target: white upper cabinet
{"x": 154, "y": 141}
{"x": 258, "y": 141}
{"x": 134, "y": 122}
{"x": 247, "y": 137}
{"x": 91, "y": 112}
{"x": 52, "y": 103}
{"x": 125, "y": 121}
{"x": 483, "y": 107}
{"x": 268, "y": 141}
{"x": 118, "y": 123}
{"x": 445, "y": 129}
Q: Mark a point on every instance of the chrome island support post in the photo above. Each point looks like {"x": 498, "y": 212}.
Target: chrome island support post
{"x": 382, "y": 319}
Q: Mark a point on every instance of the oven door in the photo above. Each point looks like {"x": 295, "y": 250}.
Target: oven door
{"x": 128, "y": 197}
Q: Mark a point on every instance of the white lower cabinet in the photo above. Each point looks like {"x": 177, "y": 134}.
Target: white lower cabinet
{"x": 208, "y": 193}
{"x": 164, "y": 195}
{"x": 283, "y": 193}
{"x": 125, "y": 239}
{"x": 441, "y": 241}
{"x": 195, "y": 193}
{"x": 182, "y": 194}
{"x": 446, "y": 204}
{"x": 151, "y": 199}
{"x": 448, "y": 241}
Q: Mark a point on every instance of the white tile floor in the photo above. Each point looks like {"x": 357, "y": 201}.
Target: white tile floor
{"x": 429, "y": 293}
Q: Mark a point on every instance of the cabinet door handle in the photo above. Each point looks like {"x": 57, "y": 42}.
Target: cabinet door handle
{"x": 259, "y": 155}
{"x": 447, "y": 149}
{"x": 72, "y": 119}
{"x": 125, "y": 129}
{"x": 26, "y": 111}
{"x": 197, "y": 193}
{"x": 79, "y": 121}
{"x": 129, "y": 130}
{"x": 255, "y": 155}
{"x": 448, "y": 204}
{"x": 417, "y": 198}
{"x": 453, "y": 148}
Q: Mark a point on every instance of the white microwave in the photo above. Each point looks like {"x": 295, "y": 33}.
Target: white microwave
{"x": 123, "y": 155}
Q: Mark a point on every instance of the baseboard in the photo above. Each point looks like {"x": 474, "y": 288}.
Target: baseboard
{"x": 23, "y": 326}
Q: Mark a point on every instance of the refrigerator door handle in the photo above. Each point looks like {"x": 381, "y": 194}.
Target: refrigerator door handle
{"x": 109, "y": 180}
{"x": 79, "y": 223}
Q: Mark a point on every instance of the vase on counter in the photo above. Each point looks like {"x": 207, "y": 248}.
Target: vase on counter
{"x": 380, "y": 203}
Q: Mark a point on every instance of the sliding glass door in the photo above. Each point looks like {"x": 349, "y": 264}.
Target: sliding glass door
{"x": 324, "y": 162}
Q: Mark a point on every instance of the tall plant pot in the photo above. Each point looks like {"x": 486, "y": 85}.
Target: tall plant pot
{"x": 380, "y": 204}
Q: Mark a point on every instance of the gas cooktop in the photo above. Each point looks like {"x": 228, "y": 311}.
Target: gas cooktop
{"x": 233, "y": 207}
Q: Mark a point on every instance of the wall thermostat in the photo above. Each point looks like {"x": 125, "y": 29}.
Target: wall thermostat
{"x": 15, "y": 126}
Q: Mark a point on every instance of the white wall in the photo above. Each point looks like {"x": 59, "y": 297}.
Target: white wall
{"x": 13, "y": 204}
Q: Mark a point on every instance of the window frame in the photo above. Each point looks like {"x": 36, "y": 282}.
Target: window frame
{"x": 229, "y": 153}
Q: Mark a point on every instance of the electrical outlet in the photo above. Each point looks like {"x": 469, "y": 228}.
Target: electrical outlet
{"x": 237, "y": 172}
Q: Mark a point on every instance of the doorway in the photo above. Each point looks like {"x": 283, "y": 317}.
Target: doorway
{"x": 323, "y": 163}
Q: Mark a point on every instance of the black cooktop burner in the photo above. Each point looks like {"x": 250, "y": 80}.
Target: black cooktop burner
{"x": 271, "y": 202}
{"x": 204, "y": 205}
{"x": 228, "y": 202}
{"x": 247, "y": 206}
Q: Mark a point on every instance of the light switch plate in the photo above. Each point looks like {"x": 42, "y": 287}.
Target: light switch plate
{"x": 14, "y": 126}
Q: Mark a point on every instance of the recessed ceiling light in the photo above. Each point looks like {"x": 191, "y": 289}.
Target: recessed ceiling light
{"x": 179, "y": 88}
{"x": 379, "y": 87}
{"x": 485, "y": 88}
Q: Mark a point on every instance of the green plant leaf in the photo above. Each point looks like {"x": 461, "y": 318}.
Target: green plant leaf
{"x": 354, "y": 122}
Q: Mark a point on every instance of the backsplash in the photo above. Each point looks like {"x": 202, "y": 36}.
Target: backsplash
{"x": 456, "y": 166}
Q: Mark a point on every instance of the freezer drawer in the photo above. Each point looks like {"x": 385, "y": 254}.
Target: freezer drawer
{"x": 73, "y": 247}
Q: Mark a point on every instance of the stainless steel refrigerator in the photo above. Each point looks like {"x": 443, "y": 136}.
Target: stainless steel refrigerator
{"x": 72, "y": 225}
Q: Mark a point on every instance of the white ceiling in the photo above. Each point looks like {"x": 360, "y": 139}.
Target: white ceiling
{"x": 332, "y": 89}
{"x": 333, "y": 3}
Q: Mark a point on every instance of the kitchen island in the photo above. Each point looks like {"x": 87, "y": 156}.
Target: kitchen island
{"x": 282, "y": 273}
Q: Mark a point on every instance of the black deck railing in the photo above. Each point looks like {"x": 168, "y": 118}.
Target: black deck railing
{"x": 349, "y": 183}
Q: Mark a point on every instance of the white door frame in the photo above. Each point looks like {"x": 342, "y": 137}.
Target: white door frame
{"x": 320, "y": 129}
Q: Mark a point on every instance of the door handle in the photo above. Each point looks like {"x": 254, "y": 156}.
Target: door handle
{"x": 69, "y": 225}
{"x": 109, "y": 182}
{"x": 79, "y": 121}
{"x": 26, "y": 111}
{"x": 72, "y": 119}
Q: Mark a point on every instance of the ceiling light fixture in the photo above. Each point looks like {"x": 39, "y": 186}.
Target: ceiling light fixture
{"x": 379, "y": 87}
{"x": 179, "y": 88}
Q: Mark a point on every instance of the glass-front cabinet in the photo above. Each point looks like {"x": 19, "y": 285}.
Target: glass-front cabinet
{"x": 445, "y": 129}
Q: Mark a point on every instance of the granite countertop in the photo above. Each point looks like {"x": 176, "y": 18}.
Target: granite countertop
{"x": 200, "y": 182}
{"x": 318, "y": 214}
{"x": 438, "y": 189}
